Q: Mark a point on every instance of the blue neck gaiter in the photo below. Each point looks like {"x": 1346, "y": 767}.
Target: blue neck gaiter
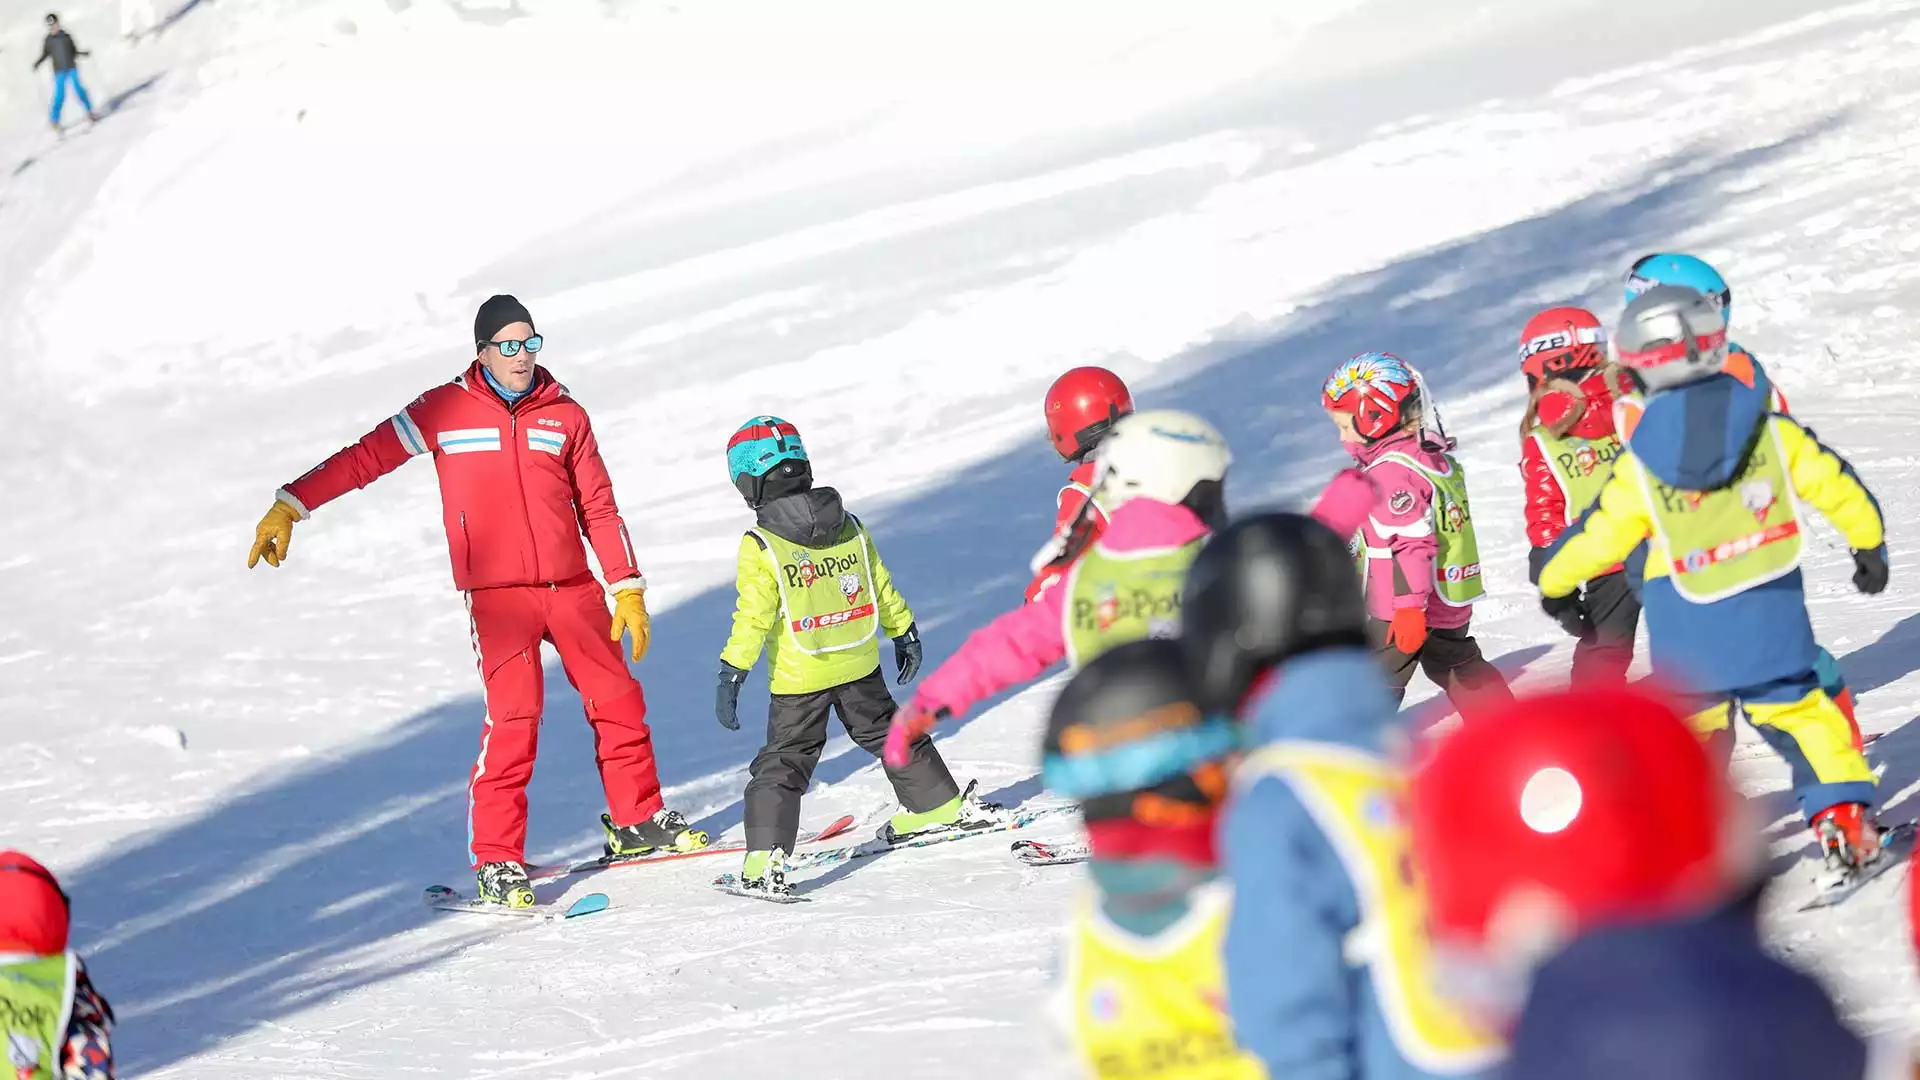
{"x": 506, "y": 395}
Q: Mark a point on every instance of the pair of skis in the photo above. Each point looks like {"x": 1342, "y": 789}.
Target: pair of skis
{"x": 446, "y": 898}
{"x": 823, "y": 858}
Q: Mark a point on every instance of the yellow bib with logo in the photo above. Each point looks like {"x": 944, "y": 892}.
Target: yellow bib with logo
{"x": 1580, "y": 466}
{"x": 1355, "y": 798}
{"x": 1155, "y": 1007}
{"x": 1721, "y": 543}
{"x": 1116, "y": 597}
{"x": 826, "y": 594}
{"x": 36, "y": 1002}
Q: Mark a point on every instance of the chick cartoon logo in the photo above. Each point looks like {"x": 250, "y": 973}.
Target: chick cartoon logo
{"x": 803, "y": 563}
{"x": 1757, "y": 496}
{"x": 1585, "y": 460}
{"x": 1456, "y": 517}
{"x": 1108, "y": 610}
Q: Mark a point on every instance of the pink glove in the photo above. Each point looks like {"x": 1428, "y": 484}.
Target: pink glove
{"x": 908, "y": 725}
{"x": 1348, "y": 499}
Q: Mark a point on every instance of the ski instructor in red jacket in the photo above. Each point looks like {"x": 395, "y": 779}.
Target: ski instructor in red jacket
{"x": 520, "y": 479}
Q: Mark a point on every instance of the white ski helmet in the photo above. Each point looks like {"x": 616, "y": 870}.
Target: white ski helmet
{"x": 1165, "y": 455}
{"x": 1670, "y": 336}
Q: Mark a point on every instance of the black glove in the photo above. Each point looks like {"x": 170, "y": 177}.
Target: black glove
{"x": 1570, "y": 612}
{"x": 726, "y": 696}
{"x": 906, "y": 654}
{"x": 1870, "y": 570}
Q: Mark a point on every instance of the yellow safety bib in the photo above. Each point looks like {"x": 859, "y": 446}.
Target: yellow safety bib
{"x": 1355, "y": 798}
{"x": 1155, "y": 1007}
{"x": 1722, "y": 543}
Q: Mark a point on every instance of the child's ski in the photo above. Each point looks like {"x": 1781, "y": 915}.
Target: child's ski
{"x": 1018, "y": 819}
{"x": 443, "y": 898}
{"x": 731, "y": 883}
{"x": 1895, "y": 846}
{"x": 1043, "y": 853}
{"x": 604, "y": 862}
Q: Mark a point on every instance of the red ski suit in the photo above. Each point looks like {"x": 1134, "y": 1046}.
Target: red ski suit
{"x": 515, "y": 501}
{"x": 1077, "y": 493}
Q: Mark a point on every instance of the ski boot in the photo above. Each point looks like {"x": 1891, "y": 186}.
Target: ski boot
{"x": 666, "y": 829}
{"x": 1849, "y": 839}
{"x": 962, "y": 813}
{"x": 766, "y": 872}
{"x": 505, "y": 883}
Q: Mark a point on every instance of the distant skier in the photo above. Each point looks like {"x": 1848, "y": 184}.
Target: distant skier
{"x": 1716, "y": 484}
{"x": 1329, "y": 970}
{"x": 1666, "y": 268}
{"x": 1144, "y": 979}
{"x": 813, "y": 592}
{"x": 1417, "y": 551}
{"x": 1595, "y": 881}
{"x": 1081, "y": 408}
{"x": 1567, "y": 450}
{"x": 56, "y": 1025}
{"x": 514, "y": 503}
{"x": 61, "y": 49}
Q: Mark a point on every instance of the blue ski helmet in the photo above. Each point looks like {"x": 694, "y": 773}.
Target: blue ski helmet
{"x": 761, "y": 446}
{"x": 1665, "y": 268}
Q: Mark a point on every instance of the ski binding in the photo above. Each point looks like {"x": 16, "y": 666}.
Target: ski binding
{"x": 1896, "y": 844}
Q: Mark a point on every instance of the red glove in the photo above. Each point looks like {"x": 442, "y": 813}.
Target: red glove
{"x": 1557, "y": 410}
{"x": 1408, "y": 631}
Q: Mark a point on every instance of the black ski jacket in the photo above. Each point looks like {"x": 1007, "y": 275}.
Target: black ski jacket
{"x": 61, "y": 50}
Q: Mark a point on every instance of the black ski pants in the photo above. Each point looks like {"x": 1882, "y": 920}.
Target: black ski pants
{"x": 1451, "y": 658}
{"x": 797, "y": 732}
{"x": 1603, "y": 656}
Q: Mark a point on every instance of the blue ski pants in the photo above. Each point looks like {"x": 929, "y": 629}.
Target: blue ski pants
{"x": 60, "y": 81}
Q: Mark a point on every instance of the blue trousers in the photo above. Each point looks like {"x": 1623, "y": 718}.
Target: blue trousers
{"x": 60, "y": 81}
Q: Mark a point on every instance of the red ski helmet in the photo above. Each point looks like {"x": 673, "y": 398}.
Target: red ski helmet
{"x": 1561, "y": 340}
{"x": 1081, "y": 405}
{"x": 33, "y": 907}
{"x": 1377, "y": 388}
{"x": 1567, "y": 811}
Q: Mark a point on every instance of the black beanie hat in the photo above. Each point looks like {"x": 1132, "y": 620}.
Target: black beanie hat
{"x": 498, "y": 311}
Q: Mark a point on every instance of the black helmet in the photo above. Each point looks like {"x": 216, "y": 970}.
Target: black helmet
{"x": 1129, "y": 723}
{"x": 1265, "y": 588}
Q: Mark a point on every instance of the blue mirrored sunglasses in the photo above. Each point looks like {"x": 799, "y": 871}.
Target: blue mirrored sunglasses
{"x": 512, "y": 348}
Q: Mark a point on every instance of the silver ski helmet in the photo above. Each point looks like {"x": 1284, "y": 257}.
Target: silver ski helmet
{"x": 1669, "y": 336}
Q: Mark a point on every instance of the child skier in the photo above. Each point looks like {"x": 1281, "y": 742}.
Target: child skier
{"x": 1161, "y": 475}
{"x": 1712, "y": 481}
{"x": 1609, "y": 955}
{"x": 1329, "y": 973}
{"x": 1082, "y": 406}
{"x": 814, "y": 594}
{"x": 1418, "y": 555}
{"x": 1663, "y": 268}
{"x": 1143, "y": 976}
{"x": 57, "y": 1025}
{"x": 1567, "y": 449}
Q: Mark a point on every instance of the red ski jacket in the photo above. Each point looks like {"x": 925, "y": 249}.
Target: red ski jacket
{"x": 1546, "y": 504}
{"x": 1076, "y": 493}
{"x": 518, "y": 485}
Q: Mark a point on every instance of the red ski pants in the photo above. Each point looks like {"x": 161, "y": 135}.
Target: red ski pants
{"x": 508, "y": 626}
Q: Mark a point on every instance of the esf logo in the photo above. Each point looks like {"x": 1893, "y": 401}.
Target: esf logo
{"x": 1457, "y": 574}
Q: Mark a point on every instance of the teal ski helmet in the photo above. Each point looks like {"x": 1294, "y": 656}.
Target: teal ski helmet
{"x": 1665, "y": 268}
{"x": 767, "y": 449}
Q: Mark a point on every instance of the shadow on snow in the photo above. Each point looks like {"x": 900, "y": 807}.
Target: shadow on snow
{"x": 306, "y": 887}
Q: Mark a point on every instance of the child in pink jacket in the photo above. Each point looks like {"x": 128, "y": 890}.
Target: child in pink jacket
{"x": 1161, "y": 472}
{"x": 1416, "y": 546}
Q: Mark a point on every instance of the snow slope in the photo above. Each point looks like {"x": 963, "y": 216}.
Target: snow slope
{"x": 892, "y": 229}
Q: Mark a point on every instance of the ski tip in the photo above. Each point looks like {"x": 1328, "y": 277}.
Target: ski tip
{"x": 588, "y": 904}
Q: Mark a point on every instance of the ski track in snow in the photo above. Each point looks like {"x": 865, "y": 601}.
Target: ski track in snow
{"x": 246, "y": 778}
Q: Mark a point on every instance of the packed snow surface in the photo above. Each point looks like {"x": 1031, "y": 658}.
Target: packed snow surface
{"x": 892, "y": 224}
